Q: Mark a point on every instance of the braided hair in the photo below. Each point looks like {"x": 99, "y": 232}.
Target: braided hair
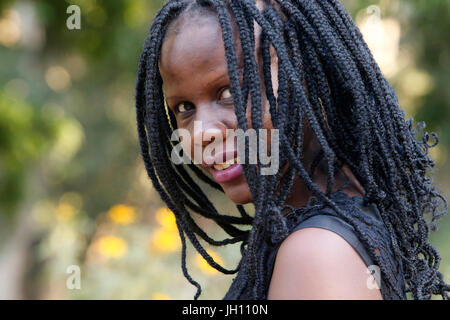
{"x": 349, "y": 106}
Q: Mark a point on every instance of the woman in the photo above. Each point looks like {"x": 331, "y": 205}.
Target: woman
{"x": 350, "y": 195}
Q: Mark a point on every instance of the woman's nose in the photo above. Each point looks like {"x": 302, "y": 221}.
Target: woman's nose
{"x": 208, "y": 139}
{"x": 208, "y": 126}
{"x": 208, "y": 132}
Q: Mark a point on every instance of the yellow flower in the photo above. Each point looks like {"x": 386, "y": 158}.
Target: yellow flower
{"x": 160, "y": 296}
{"x": 122, "y": 214}
{"x": 65, "y": 211}
{"x": 112, "y": 247}
{"x": 204, "y": 265}
{"x": 166, "y": 218}
{"x": 165, "y": 240}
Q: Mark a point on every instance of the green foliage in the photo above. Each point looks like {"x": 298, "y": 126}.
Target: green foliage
{"x": 430, "y": 25}
{"x": 25, "y": 134}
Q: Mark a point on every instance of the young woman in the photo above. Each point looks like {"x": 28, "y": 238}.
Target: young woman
{"x": 351, "y": 194}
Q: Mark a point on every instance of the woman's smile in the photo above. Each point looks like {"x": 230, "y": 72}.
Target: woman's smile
{"x": 228, "y": 174}
{"x": 226, "y": 169}
{"x": 224, "y": 166}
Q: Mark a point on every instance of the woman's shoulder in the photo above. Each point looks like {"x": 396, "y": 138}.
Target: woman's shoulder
{"x": 335, "y": 225}
{"x": 322, "y": 242}
{"x": 365, "y": 217}
{"x": 318, "y": 263}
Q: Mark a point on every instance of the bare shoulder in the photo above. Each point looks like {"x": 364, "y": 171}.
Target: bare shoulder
{"x": 315, "y": 263}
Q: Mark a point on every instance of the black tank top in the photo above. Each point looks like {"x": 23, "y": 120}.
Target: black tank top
{"x": 372, "y": 241}
{"x": 338, "y": 226}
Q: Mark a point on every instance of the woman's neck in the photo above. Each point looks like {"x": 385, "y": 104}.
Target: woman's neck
{"x": 300, "y": 194}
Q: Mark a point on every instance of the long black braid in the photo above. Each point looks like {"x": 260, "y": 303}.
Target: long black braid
{"x": 328, "y": 78}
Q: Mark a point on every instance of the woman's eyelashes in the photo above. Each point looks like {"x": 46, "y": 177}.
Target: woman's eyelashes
{"x": 185, "y": 108}
{"x": 225, "y": 95}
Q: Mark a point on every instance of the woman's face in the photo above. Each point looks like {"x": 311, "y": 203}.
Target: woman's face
{"x": 197, "y": 89}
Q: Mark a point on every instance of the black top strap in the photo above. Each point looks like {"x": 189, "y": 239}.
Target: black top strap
{"x": 340, "y": 227}
{"x": 362, "y": 215}
{"x": 334, "y": 224}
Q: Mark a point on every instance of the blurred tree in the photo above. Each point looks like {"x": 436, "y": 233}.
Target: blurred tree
{"x": 429, "y": 27}
{"x": 25, "y": 135}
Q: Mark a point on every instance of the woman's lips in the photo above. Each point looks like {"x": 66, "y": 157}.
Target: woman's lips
{"x": 227, "y": 175}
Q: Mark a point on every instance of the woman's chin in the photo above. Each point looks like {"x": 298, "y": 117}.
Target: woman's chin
{"x": 239, "y": 194}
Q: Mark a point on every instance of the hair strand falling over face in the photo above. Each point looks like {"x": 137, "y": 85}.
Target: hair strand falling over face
{"x": 349, "y": 106}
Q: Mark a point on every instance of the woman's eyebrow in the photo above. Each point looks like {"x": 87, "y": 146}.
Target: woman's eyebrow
{"x": 175, "y": 98}
{"x": 226, "y": 75}
{"x": 218, "y": 79}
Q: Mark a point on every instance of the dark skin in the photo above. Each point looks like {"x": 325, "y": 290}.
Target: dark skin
{"x": 196, "y": 83}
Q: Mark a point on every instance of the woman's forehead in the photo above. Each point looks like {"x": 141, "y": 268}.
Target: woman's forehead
{"x": 192, "y": 17}
{"x": 195, "y": 43}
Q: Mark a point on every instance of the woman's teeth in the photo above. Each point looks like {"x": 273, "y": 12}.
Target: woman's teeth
{"x": 226, "y": 165}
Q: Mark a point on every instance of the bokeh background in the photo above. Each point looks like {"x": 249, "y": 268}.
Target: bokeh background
{"x": 73, "y": 189}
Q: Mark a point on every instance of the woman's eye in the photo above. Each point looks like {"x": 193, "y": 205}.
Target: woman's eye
{"x": 184, "y": 107}
{"x": 225, "y": 94}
